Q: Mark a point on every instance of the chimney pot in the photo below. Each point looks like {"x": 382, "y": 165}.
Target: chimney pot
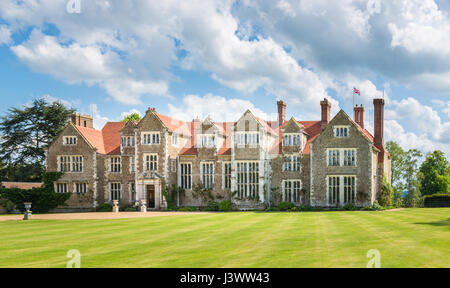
{"x": 378, "y": 122}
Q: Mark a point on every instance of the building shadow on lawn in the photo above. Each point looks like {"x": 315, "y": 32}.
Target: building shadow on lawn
{"x": 437, "y": 223}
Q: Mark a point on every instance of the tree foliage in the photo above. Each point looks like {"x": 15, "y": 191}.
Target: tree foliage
{"x": 25, "y": 133}
{"x": 132, "y": 117}
{"x": 435, "y": 174}
{"x": 43, "y": 199}
{"x": 387, "y": 194}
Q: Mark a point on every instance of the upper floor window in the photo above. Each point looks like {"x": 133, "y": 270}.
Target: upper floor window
{"x": 208, "y": 175}
{"x": 151, "y": 138}
{"x": 70, "y": 164}
{"x": 151, "y": 162}
{"x": 247, "y": 138}
{"x": 291, "y": 163}
{"x": 175, "y": 139}
{"x": 341, "y": 131}
{"x": 342, "y": 157}
{"x": 132, "y": 164}
{"x": 70, "y": 140}
{"x": 128, "y": 141}
{"x": 186, "y": 175}
{"x": 206, "y": 140}
{"x": 292, "y": 140}
{"x": 115, "y": 165}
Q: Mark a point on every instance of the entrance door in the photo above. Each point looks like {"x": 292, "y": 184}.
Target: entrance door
{"x": 151, "y": 196}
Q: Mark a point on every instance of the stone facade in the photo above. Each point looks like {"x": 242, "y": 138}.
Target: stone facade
{"x": 250, "y": 161}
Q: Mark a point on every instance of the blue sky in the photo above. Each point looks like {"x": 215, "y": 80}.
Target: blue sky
{"x": 220, "y": 58}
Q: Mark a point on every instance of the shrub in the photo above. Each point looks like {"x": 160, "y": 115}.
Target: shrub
{"x": 105, "y": 207}
{"x": 188, "y": 209}
{"x": 225, "y": 206}
{"x": 212, "y": 206}
{"x": 437, "y": 200}
{"x": 350, "y": 207}
{"x": 387, "y": 194}
{"x": 130, "y": 209}
{"x": 43, "y": 199}
{"x": 285, "y": 206}
{"x": 374, "y": 207}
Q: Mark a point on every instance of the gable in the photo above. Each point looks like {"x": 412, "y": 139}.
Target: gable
{"x": 71, "y": 130}
{"x": 292, "y": 126}
{"x": 247, "y": 122}
{"x": 151, "y": 122}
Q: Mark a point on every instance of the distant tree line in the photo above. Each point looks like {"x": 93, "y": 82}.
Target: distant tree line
{"x": 412, "y": 180}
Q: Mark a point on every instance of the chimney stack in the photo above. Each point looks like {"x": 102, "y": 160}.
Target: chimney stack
{"x": 326, "y": 109}
{"x": 281, "y": 112}
{"x": 82, "y": 120}
{"x": 379, "y": 122}
{"x": 359, "y": 115}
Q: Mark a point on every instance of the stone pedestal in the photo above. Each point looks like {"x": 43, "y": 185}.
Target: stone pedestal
{"x": 115, "y": 206}
{"x": 144, "y": 206}
{"x": 27, "y": 214}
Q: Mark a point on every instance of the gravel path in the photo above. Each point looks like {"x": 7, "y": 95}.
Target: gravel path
{"x": 99, "y": 216}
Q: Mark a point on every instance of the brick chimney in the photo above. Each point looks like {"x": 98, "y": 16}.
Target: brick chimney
{"x": 378, "y": 123}
{"x": 82, "y": 120}
{"x": 359, "y": 115}
{"x": 326, "y": 109}
{"x": 281, "y": 112}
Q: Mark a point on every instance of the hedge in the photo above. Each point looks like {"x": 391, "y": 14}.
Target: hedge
{"x": 437, "y": 200}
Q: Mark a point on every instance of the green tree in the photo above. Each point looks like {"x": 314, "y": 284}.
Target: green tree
{"x": 25, "y": 133}
{"x": 387, "y": 194}
{"x": 132, "y": 117}
{"x": 435, "y": 174}
{"x": 398, "y": 168}
{"x": 411, "y": 176}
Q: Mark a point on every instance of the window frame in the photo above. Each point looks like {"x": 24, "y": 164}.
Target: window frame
{"x": 186, "y": 178}
{"x": 247, "y": 179}
{"x": 72, "y": 165}
{"x": 114, "y": 165}
{"x": 151, "y": 138}
{"x": 207, "y": 175}
{"x": 294, "y": 139}
{"x": 345, "y": 129}
{"x": 295, "y": 187}
{"x": 226, "y": 174}
{"x": 117, "y": 189}
{"x": 151, "y": 162}
{"x": 291, "y": 166}
{"x": 73, "y": 143}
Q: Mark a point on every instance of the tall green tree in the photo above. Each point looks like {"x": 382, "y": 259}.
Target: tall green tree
{"x": 398, "y": 168}
{"x": 435, "y": 174}
{"x": 25, "y": 133}
{"x": 132, "y": 117}
{"x": 411, "y": 176}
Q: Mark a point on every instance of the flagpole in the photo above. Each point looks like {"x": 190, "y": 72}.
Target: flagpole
{"x": 353, "y": 97}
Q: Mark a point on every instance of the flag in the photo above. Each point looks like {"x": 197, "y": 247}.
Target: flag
{"x": 356, "y": 91}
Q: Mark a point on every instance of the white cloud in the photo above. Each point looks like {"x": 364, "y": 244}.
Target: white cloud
{"x": 99, "y": 120}
{"x": 5, "y": 35}
{"x": 217, "y": 107}
{"x": 67, "y": 103}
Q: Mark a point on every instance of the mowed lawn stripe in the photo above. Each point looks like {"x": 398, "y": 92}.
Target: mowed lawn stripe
{"x": 407, "y": 238}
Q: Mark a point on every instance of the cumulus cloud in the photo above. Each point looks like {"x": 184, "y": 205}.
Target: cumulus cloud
{"x": 5, "y": 35}
{"x": 217, "y": 107}
{"x": 99, "y": 120}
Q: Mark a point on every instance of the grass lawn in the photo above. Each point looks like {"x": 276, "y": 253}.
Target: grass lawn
{"x": 407, "y": 238}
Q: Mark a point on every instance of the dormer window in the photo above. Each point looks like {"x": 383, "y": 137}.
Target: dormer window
{"x": 292, "y": 140}
{"x": 70, "y": 140}
{"x": 247, "y": 138}
{"x": 206, "y": 141}
{"x": 341, "y": 131}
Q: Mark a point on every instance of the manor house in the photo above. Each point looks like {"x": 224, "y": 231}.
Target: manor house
{"x": 327, "y": 163}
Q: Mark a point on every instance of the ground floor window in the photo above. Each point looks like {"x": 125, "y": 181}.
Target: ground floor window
{"x": 62, "y": 188}
{"x": 80, "y": 188}
{"x": 132, "y": 192}
{"x": 349, "y": 189}
{"x": 247, "y": 179}
{"x": 186, "y": 175}
{"x": 341, "y": 190}
{"x": 291, "y": 191}
{"x": 227, "y": 175}
{"x": 115, "y": 191}
{"x": 208, "y": 175}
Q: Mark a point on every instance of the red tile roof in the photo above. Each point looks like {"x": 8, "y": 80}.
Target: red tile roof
{"x": 20, "y": 185}
{"x": 107, "y": 140}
